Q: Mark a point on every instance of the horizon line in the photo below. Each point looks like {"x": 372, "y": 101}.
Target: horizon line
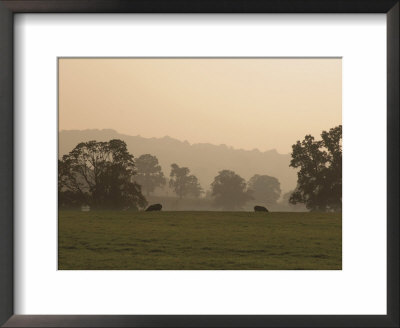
{"x": 182, "y": 141}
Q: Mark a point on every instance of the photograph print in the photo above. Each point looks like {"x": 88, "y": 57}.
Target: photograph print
{"x": 200, "y": 163}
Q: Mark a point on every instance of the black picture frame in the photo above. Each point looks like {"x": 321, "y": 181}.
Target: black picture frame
{"x": 10, "y": 7}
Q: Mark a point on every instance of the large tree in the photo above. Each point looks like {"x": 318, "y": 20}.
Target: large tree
{"x": 148, "y": 173}
{"x": 265, "y": 189}
{"x": 319, "y": 184}
{"x": 71, "y": 192}
{"x": 101, "y": 175}
{"x": 184, "y": 183}
{"x": 229, "y": 190}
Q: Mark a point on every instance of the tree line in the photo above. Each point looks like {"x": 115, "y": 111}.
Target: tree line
{"x": 105, "y": 175}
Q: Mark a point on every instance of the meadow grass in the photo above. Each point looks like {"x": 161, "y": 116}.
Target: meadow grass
{"x": 107, "y": 240}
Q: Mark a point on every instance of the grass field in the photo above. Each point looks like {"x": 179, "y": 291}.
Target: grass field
{"x": 199, "y": 241}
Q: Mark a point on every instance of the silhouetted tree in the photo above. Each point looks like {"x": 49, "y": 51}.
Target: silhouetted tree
{"x": 229, "y": 190}
{"x": 101, "y": 173}
{"x": 265, "y": 189}
{"x": 148, "y": 173}
{"x": 71, "y": 193}
{"x": 319, "y": 184}
{"x": 193, "y": 186}
{"x": 182, "y": 183}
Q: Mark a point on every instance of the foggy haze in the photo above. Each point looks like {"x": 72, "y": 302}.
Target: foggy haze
{"x": 203, "y": 160}
{"x": 245, "y": 103}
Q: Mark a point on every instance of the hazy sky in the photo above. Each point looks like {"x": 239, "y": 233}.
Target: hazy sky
{"x": 244, "y": 103}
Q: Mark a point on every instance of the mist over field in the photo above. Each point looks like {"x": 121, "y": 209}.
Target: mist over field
{"x": 203, "y": 160}
{"x": 230, "y": 121}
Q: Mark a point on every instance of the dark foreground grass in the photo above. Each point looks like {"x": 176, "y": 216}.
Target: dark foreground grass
{"x": 199, "y": 240}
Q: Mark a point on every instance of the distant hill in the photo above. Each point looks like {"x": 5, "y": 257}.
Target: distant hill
{"x": 204, "y": 160}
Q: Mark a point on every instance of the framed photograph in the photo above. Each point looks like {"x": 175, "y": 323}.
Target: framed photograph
{"x": 199, "y": 164}
{"x": 190, "y": 198}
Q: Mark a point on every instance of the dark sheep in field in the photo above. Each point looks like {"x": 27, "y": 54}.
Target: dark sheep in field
{"x": 154, "y": 207}
{"x": 260, "y": 209}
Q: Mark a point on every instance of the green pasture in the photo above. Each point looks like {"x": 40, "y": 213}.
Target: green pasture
{"x": 107, "y": 240}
